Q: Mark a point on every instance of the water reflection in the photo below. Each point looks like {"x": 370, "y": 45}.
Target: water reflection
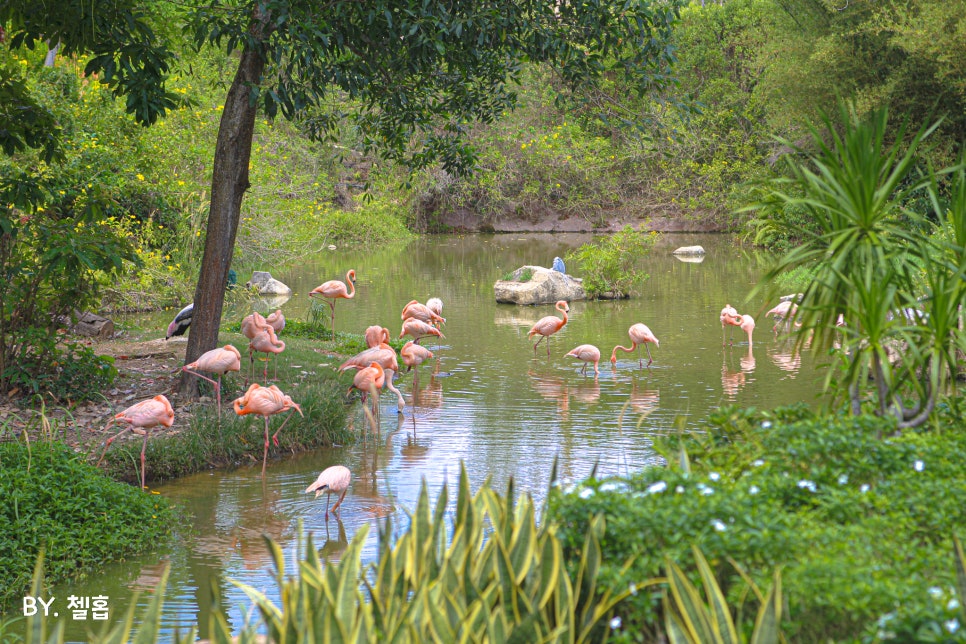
{"x": 733, "y": 380}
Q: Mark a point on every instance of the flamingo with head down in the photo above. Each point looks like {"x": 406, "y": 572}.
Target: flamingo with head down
{"x": 265, "y": 401}
{"x": 332, "y": 479}
{"x": 588, "y": 353}
{"x": 640, "y": 336}
{"x": 547, "y": 326}
{"x": 385, "y": 355}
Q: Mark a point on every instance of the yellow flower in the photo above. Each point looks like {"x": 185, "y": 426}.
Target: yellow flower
{"x": 139, "y": 176}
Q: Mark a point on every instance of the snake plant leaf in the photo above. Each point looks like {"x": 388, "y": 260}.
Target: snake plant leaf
{"x": 960, "y": 576}
{"x": 721, "y": 621}
{"x": 687, "y": 602}
{"x": 768, "y": 622}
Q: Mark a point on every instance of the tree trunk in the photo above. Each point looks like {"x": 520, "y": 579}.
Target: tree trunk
{"x": 229, "y": 181}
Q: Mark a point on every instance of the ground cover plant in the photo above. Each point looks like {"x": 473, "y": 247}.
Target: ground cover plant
{"x": 55, "y": 503}
{"x": 862, "y": 527}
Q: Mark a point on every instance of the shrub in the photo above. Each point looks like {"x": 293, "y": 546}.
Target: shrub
{"x": 610, "y": 264}
{"x": 55, "y": 502}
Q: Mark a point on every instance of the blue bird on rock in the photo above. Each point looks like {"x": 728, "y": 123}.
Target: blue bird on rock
{"x": 558, "y": 265}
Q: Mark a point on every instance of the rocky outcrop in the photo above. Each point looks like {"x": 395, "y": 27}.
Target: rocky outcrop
{"x": 689, "y": 251}
{"x": 545, "y": 286}
{"x": 267, "y": 285}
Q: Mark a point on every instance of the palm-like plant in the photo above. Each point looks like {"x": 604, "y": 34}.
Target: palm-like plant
{"x": 875, "y": 262}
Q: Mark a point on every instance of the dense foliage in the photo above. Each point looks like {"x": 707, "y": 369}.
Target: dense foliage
{"x": 608, "y": 266}
{"x": 56, "y": 503}
{"x": 861, "y": 526}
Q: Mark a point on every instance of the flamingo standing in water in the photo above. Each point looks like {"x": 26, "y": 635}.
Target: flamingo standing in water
{"x": 728, "y": 314}
{"x": 784, "y": 311}
{"x": 385, "y": 355}
{"x": 640, "y": 336}
{"x": 747, "y": 324}
{"x": 419, "y": 329}
{"x": 417, "y": 311}
{"x": 333, "y": 290}
{"x": 265, "y": 401}
{"x": 332, "y": 479}
{"x": 547, "y": 326}
{"x": 142, "y": 416}
{"x": 588, "y": 353}
{"x": 414, "y": 355}
{"x": 219, "y": 361}
{"x": 372, "y": 377}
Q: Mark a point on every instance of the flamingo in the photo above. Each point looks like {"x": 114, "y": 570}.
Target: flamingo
{"x": 419, "y": 329}
{"x": 371, "y": 377}
{"x": 640, "y": 336}
{"x": 265, "y": 341}
{"x": 333, "y": 290}
{"x": 276, "y": 320}
{"x": 417, "y": 311}
{"x": 265, "y": 401}
{"x": 332, "y": 479}
{"x": 219, "y": 361}
{"x": 547, "y": 326}
{"x": 385, "y": 355}
{"x": 376, "y": 335}
{"x": 784, "y": 311}
{"x": 143, "y": 415}
{"x": 414, "y": 355}
{"x": 728, "y": 313}
{"x": 747, "y": 324}
{"x": 435, "y": 305}
{"x": 181, "y": 322}
{"x": 250, "y": 326}
{"x": 588, "y": 353}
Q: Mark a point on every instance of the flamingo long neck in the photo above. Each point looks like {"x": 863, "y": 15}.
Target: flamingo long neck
{"x": 351, "y": 284}
{"x": 564, "y": 320}
{"x": 613, "y": 354}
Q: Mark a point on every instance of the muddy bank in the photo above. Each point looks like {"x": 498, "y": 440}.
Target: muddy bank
{"x": 548, "y": 220}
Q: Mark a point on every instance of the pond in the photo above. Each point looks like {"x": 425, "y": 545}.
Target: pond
{"x": 485, "y": 400}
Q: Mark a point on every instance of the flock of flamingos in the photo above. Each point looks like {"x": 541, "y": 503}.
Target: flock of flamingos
{"x": 371, "y": 365}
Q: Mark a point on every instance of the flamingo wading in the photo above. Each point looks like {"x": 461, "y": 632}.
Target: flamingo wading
{"x": 588, "y": 353}
{"x": 547, "y": 326}
{"x": 332, "y": 479}
{"x": 265, "y": 401}
{"x": 640, "y": 336}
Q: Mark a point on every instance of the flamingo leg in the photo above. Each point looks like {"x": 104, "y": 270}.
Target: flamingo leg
{"x": 538, "y": 342}
{"x": 144, "y": 447}
{"x": 275, "y": 435}
{"x": 217, "y": 386}
{"x": 328, "y": 495}
{"x": 583, "y": 371}
{"x": 339, "y": 502}
{"x": 390, "y": 376}
{"x": 265, "y": 453}
{"x": 110, "y": 440}
{"x": 332, "y": 318}
{"x": 649, "y": 358}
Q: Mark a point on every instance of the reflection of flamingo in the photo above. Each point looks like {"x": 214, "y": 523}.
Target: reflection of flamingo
{"x": 728, "y": 313}
{"x": 785, "y": 311}
{"x": 219, "y": 361}
{"x": 553, "y": 388}
{"x": 333, "y": 290}
{"x": 332, "y": 479}
{"x": 547, "y": 326}
{"x": 265, "y": 401}
{"x": 141, "y": 416}
{"x": 640, "y": 335}
{"x": 419, "y": 329}
{"x": 731, "y": 381}
{"x": 385, "y": 355}
{"x": 588, "y": 353}
{"x": 376, "y": 335}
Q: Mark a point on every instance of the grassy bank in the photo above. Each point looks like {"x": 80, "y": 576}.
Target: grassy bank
{"x": 56, "y": 503}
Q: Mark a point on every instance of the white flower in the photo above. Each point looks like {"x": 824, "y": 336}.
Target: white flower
{"x": 952, "y": 604}
{"x": 679, "y": 489}
{"x": 753, "y": 489}
{"x": 704, "y": 489}
{"x": 610, "y": 486}
{"x": 615, "y": 623}
{"x": 864, "y": 488}
{"x": 714, "y": 476}
{"x": 843, "y": 479}
{"x": 952, "y": 625}
{"x": 719, "y": 525}
{"x": 660, "y": 486}
{"x": 766, "y": 424}
{"x": 935, "y": 592}
{"x": 586, "y": 493}
{"x": 757, "y": 463}
{"x": 570, "y": 489}
{"x": 918, "y": 466}
{"x": 807, "y": 485}
{"x": 632, "y": 589}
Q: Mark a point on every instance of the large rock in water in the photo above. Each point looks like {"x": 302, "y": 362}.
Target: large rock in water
{"x": 267, "y": 285}
{"x": 546, "y": 286}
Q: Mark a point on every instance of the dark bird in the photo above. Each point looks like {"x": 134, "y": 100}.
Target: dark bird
{"x": 181, "y": 321}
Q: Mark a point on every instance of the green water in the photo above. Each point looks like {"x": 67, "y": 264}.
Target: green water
{"x": 485, "y": 400}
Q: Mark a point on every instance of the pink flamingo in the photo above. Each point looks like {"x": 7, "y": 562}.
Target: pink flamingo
{"x": 784, "y": 311}
{"x": 414, "y": 355}
{"x": 385, "y": 355}
{"x": 219, "y": 361}
{"x": 376, "y": 335}
{"x": 728, "y": 314}
{"x": 435, "y": 305}
{"x": 333, "y": 290}
{"x": 419, "y": 329}
{"x": 332, "y": 479}
{"x": 265, "y": 401}
{"x": 588, "y": 353}
{"x": 276, "y": 320}
{"x": 547, "y": 326}
{"x": 747, "y": 324}
{"x": 372, "y": 377}
{"x": 640, "y": 336}
{"x": 415, "y": 310}
{"x": 250, "y": 326}
{"x": 265, "y": 341}
{"x": 141, "y": 416}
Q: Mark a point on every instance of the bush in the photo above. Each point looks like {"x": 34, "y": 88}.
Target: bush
{"x": 72, "y": 372}
{"x": 860, "y": 524}
{"x": 55, "y": 502}
{"x": 610, "y": 264}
